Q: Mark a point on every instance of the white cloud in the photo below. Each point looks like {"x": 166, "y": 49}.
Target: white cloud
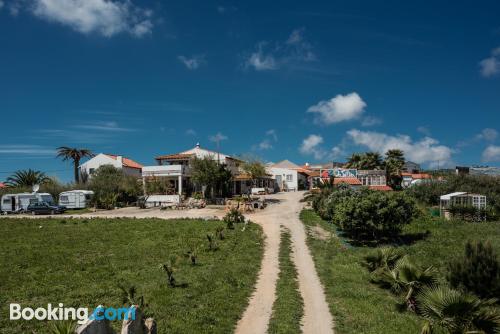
{"x": 491, "y": 153}
{"x": 192, "y": 63}
{"x": 260, "y": 61}
{"x": 426, "y": 150}
{"x": 1, "y": 4}
{"x": 104, "y": 17}
{"x": 338, "y": 109}
{"x": 267, "y": 143}
{"x": 272, "y": 133}
{"x": 312, "y": 146}
{"x": 271, "y": 56}
{"x": 424, "y": 130}
{"x": 491, "y": 65}
{"x": 26, "y": 149}
{"x": 111, "y": 126}
{"x": 218, "y": 137}
{"x": 487, "y": 134}
{"x": 190, "y": 132}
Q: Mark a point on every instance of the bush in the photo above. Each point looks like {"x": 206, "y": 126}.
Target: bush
{"x": 477, "y": 271}
{"x": 113, "y": 188}
{"x": 233, "y": 217}
{"x": 372, "y": 215}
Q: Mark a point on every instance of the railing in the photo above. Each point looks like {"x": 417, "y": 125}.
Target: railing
{"x": 165, "y": 170}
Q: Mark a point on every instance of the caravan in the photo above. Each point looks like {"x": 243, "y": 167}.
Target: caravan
{"x": 75, "y": 199}
{"x": 16, "y": 203}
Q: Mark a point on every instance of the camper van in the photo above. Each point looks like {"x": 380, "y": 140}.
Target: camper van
{"x": 13, "y": 203}
{"x": 75, "y": 199}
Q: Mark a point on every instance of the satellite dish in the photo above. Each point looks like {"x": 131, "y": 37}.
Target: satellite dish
{"x": 36, "y": 187}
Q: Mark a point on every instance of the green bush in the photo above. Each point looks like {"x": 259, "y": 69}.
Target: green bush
{"x": 113, "y": 188}
{"x": 373, "y": 215}
{"x": 233, "y": 217}
{"x": 477, "y": 271}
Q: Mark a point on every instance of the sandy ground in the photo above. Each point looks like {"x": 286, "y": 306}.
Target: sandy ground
{"x": 317, "y": 318}
{"x": 284, "y": 212}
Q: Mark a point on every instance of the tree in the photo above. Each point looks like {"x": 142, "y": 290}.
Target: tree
{"x": 74, "y": 154}
{"x": 394, "y": 162}
{"x": 26, "y": 178}
{"x": 456, "y": 311}
{"x": 209, "y": 173}
{"x": 354, "y": 161}
{"x": 254, "y": 168}
{"x": 371, "y": 161}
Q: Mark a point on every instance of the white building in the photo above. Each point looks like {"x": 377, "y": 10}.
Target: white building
{"x": 287, "y": 175}
{"x": 128, "y": 166}
{"x": 460, "y": 199}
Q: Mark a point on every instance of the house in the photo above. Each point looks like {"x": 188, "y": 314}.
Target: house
{"x": 374, "y": 179}
{"x": 176, "y": 170}
{"x": 460, "y": 199}
{"x": 2, "y": 185}
{"x": 288, "y": 176}
{"x": 352, "y": 182}
{"x": 410, "y": 179}
{"x": 127, "y": 165}
{"x": 411, "y": 167}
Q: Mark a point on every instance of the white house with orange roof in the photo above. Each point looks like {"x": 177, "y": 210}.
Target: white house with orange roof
{"x": 127, "y": 165}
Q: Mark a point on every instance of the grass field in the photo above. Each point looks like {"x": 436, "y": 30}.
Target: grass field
{"x": 83, "y": 263}
{"x": 359, "y": 306}
{"x": 288, "y": 307}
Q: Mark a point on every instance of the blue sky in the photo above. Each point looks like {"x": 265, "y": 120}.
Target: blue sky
{"x": 306, "y": 81}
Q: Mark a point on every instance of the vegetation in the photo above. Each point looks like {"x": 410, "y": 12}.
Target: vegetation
{"x": 288, "y": 306}
{"x": 429, "y": 192}
{"x": 112, "y": 187}
{"x": 233, "y": 217}
{"x": 477, "y": 271}
{"x": 207, "y": 172}
{"x": 359, "y": 306}
{"x": 75, "y": 155}
{"x": 254, "y": 168}
{"x": 83, "y": 263}
{"x": 26, "y": 178}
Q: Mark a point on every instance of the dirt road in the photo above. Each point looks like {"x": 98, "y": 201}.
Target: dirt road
{"x": 317, "y": 318}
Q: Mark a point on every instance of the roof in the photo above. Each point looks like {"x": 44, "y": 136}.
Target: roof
{"x": 382, "y": 188}
{"x": 126, "y": 162}
{"x": 198, "y": 152}
{"x": 450, "y": 195}
{"x": 2, "y": 185}
{"x": 349, "y": 180}
{"x": 285, "y": 164}
{"x": 417, "y": 175}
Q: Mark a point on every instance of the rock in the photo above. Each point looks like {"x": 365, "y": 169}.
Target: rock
{"x": 133, "y": 326}
{"x": 150, "y": 326}
{"x": 93, "y": 326}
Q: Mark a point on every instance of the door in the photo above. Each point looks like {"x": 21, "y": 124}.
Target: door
{"x": 278, "y": 182}
{"x": 238, "y": 188}
{"x": 13, "y": 203}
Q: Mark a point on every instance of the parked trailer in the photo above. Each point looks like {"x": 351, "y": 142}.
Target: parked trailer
{"x": 75, "y": 199}
{"x": 12, "y": 203}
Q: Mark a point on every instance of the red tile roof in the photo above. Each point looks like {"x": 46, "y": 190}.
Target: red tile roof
{"x": 417, "y": 175}
{"x": 2, "y": 185}
{"x": 126, "y": 162}
{"x": 382, "y": 188}
{"x": 349, "y": 180}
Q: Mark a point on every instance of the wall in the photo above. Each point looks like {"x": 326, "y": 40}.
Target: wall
{"x": 289, "y": 185}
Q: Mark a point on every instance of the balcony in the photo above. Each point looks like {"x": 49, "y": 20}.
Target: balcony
{"x": 168, "y": 170}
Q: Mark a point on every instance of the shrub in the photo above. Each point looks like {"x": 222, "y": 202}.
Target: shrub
{"x": 233, "y": 217}
{"x": 477, "y": 271}
{"x": 372, "y": 215}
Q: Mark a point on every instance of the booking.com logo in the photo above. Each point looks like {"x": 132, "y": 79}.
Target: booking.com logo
{"x": 80, "y": 314}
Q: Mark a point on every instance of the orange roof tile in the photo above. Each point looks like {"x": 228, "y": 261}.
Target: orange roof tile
{"x": 178, "y": 156}
{"x": 417, "y": 175}
{"x": 126, "y": 162}
{"x": 2, "y": 185}
{"x": 382, "y": 188}
{"x": 349, "y": 180}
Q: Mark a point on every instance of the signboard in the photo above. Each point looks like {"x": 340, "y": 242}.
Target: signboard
{"x": 338, "y": 172}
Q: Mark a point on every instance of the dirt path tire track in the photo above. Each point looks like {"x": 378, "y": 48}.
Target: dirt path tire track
{"x": 317, "y": 318}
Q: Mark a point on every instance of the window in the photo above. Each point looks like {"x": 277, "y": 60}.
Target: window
{"x": 64, "y": 199}
{"x": 91, "y": 170}
{"x": 289, "y": 178}
{"x": 6, "y": 201}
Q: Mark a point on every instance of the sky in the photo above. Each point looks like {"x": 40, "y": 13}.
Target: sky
{"x": 306, "y": 81}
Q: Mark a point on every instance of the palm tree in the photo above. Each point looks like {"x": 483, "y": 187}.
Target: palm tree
{"x": 456, "y": 311}
{"x": 394, "y": 162}
{"x": 354, "y": 161}
{"x": 75, "y": 154}
{"x": 371, "y": 160}
{"x": 26, "y": 178}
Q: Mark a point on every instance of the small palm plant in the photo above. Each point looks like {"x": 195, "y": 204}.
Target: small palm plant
{"x": 169, "y": 269}
{"x": 212, "y": 243}
{"x": 219, "y": 231}
{"x": 192, "y": 254}
{"x": 62, "y": 327}
{"x": 129, "y": 297}
{"x": 383, "y": 258}
{"x": 456, "y": 311}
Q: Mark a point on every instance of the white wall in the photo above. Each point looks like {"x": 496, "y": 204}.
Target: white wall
{"x": 289, "y": 184}
{"x": 101, "y": 160}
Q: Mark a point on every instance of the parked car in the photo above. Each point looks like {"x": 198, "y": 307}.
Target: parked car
{"x": 45, "y": 208}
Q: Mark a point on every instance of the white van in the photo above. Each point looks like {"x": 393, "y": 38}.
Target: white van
{"x": 75, "y": 199}
{"x": 12, "y": 203}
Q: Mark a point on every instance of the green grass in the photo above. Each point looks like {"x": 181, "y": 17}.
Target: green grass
{"x": 359, "y": 306}
{"x": 82, "y": 263}
{"x": 288, "y": 307}
{"x": 78, "y": 211}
